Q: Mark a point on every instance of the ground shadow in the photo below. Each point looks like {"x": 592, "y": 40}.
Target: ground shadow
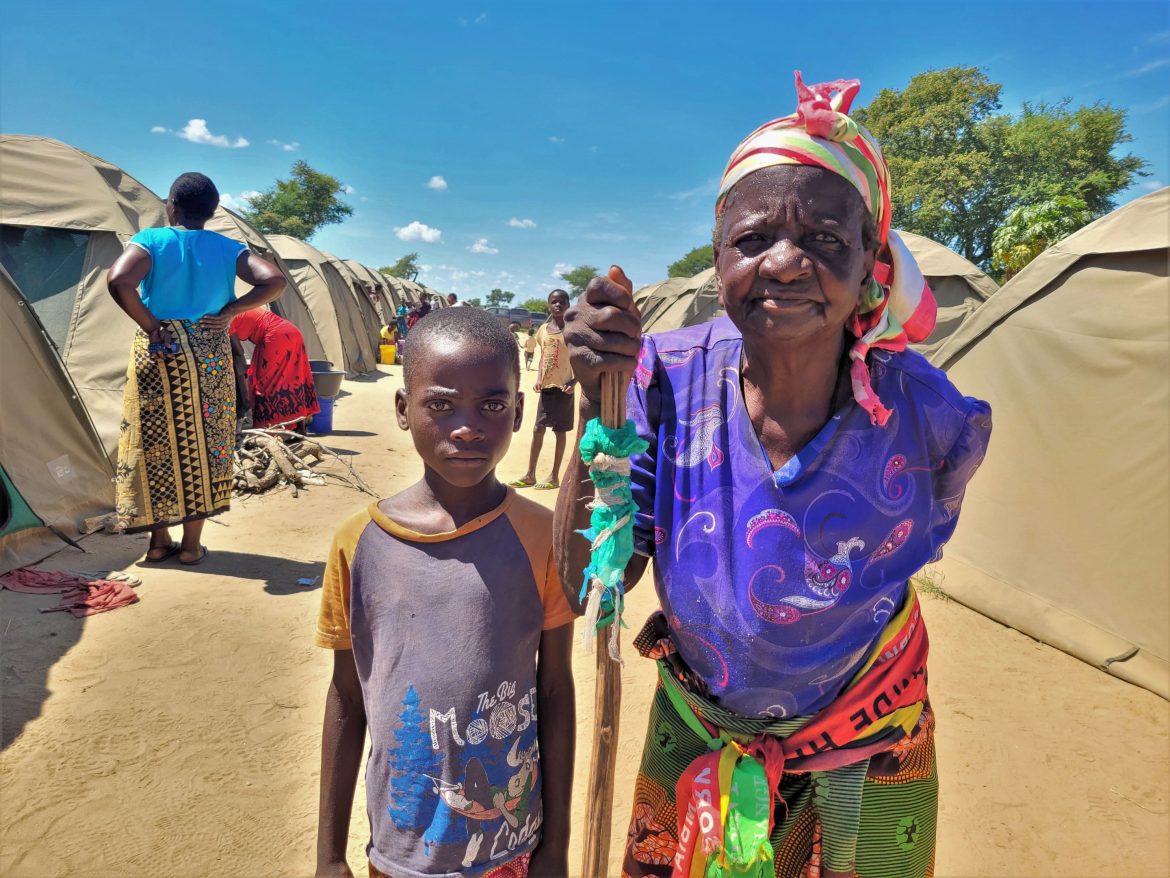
{"x": 350, "y": 433}
{"x": 31, "y": 643}
{"x": 279, "y": 575}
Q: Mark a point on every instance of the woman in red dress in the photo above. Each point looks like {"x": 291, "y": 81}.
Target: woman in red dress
{"x": 279, "y": 379}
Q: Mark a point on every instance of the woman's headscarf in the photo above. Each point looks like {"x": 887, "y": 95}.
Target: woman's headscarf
{"x": 897, "y": 308}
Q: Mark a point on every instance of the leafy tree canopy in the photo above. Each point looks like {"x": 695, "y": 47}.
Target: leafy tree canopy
{"x": 1029, "y": 231}
{"x": 405, "y": 268}
{"x": 960, "y": 166}
{"x": 298, "y": 206}
{"x": 578, "y": 278}
{"x": 498, "y": 298}
{"x": 538, "y": 305}
{"x": 699, "y": 259}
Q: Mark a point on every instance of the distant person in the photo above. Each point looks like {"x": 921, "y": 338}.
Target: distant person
{"x": 400, "y": 319}
{"x": 413, "y": 315}
{"x": 179, "y": 407}
{"x": 451, "y": 636}
{"x": 554, "y": 383}
{"x": 529, "y": 348}
{"x": 453, "y": 301}
{"x": 280, "y": 382}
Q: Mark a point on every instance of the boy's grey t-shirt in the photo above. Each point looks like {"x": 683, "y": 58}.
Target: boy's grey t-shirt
{"x": 445, "y": 630}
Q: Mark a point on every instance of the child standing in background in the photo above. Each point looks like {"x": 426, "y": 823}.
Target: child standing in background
{"x": 452, "y": 638}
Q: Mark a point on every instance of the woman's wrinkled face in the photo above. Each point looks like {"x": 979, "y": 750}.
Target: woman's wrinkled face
{"x": 791, "y": 259}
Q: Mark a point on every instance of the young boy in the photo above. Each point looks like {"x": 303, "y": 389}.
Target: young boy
{"x": 554, "y": 383}
{"x": 452, "y": 638}
{"x": 529, "y": 348}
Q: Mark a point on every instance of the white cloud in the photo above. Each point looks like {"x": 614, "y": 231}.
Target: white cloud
{"x": 464, "y": 21}
{"x": 521, "y": 223}
{"x": 291, "y": 146}
{"x": 238, "y": 202}
{"x": 417, "y": 231}
{"x": 482, "y": 246}
{"x": 196, "y": 131}
{"x": 159, "y": 129}
{"x": 1150, "y": 67}
{"x": 437, "y": 183}
{"x": 708, "y": 189}
{"x": 556, "y": 140}
{"x": 1160, "y": 104}
{"x": 348, "y": 190}
{"x": 1150, "y": 185}
{"x": 561, "y": 269}
{"x": 593, "y": 149}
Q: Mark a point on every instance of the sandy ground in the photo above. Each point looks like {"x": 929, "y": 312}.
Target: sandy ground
{"x": 180, "y": 736}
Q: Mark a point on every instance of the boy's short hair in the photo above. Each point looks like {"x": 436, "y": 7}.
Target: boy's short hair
{"x": 552, "y": 293}
{"x": 459, "y": 323}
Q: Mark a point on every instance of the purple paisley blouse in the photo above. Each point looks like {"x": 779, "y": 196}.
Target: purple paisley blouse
{"x": 776, "y": 584}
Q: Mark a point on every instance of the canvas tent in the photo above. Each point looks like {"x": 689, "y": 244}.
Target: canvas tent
{"x": 959, "y": 287}
{"x": 680, "y": 301}
{"x": 334, "y": 309}
{"x": 64, "y": 218}
{"x": 291, "y": 305}
{"x": 386, "y": 296}
{"x": 371, "y": 322}
{"x": 54, "y": 471}
{"x": 1064, "y": 529}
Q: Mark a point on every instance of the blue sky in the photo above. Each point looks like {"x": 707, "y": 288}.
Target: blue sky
{"x": 563, "y": 133}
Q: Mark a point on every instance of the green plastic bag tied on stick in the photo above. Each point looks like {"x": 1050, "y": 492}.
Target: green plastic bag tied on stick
{"x": 607, "y": 452}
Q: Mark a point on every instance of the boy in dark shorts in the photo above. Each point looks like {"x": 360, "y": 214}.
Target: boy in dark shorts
{"x": 554, "y": 383}
{"x": 451, "y": 636}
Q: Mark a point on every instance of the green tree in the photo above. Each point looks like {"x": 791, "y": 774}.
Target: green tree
{"x": 476, "y": 302}
{"x": 699, "y": 259}
{"x": 960, "y": 166}
{"x": 298, "y": 206}
{"x": 539, "y": 306}
{"x": 405, "y": 268}
{"x": 578, "y": 278}
{"x": 1029, "y": 231}
{"x": 498, "y": 297}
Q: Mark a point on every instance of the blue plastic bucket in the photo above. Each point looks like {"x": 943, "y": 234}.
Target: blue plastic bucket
{"x": 322, "y": 422}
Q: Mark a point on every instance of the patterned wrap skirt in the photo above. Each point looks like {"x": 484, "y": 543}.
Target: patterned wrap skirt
{"x": 178, "y": 430}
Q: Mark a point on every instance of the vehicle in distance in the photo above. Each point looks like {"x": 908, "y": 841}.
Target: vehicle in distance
{"x": 521, "y": 317}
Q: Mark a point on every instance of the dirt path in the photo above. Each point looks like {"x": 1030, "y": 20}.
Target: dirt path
{"x": 180, "y": 736}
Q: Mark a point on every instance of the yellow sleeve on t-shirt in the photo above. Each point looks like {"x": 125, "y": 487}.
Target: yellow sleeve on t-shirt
{"x": 333, "y": 619}
{"x": 533, "y": 525}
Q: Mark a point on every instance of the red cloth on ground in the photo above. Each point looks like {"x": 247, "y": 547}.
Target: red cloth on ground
{"x": 79, "y": 595}
{"x": 279, "y": 375}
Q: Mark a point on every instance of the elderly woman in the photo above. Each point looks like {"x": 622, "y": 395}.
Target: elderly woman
{"x": 803, "y": 466}
{"x": 179, "y": 407}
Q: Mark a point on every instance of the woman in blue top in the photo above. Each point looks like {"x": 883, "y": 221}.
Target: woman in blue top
{"x": 179, "y": 409}
{"x": 803, "y": 466}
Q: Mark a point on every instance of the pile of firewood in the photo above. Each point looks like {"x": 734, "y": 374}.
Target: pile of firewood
{"x": 271, "y": 459}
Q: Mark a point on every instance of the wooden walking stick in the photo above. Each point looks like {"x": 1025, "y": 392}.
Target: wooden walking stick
{"x": 607, "y": 451}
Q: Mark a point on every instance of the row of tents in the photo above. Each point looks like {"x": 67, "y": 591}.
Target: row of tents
{"x": 1064, "y": 528}
{"x": 65, "y": 216}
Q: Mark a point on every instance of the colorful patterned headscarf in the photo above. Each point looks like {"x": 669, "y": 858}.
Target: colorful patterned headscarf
{"x": 897, "y": 308}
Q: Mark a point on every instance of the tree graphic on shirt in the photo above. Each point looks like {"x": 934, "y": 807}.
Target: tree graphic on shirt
{"x": 413, "y": 763}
